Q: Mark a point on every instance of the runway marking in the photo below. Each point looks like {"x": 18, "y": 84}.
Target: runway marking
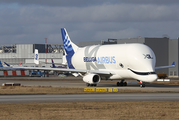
{"x": 115, "y": 90}
{"x": 89, "y": 89}
{"x": 110, "y": 90}
{"x": 101, "y": 89}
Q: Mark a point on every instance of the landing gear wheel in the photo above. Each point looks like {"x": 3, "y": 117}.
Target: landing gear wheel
{"x": 121, "y": 83}
{"x": 142, "y": 85}
{"x": 92, "y": 85}
{"x": 87, "y": 84}
{"x": 125, "y": 84}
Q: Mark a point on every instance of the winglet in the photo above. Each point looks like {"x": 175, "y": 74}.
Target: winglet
{"x": 1, "y": 64}
{"x": 7, "y": 64}
{"x": 173, "y": 63}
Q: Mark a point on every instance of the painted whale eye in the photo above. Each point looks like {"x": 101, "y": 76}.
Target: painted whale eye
{"x": 120, "y": 64}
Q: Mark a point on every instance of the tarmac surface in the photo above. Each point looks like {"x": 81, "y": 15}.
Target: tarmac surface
{"x": 78, "y": 83}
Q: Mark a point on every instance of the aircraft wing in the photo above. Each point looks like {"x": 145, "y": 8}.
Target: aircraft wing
{"x": 162, "y": 67}
{"x": 10, "y": 68}
{"x": 62, "y": 64}
{"x": 60, "y": 69}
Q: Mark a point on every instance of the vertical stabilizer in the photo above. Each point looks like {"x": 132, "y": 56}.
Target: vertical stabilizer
{"x": 36, "y": 57}
{"x": 53, "y": 65}
{"x": 69, "y": 46}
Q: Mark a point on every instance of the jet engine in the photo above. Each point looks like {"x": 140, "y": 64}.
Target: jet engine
{"x": 91, "y": 78}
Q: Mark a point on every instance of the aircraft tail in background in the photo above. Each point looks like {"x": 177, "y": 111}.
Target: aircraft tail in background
{"x": 69, "y": 46}
{"x": 36, "y": 57}
{"x": 53, "y": 65}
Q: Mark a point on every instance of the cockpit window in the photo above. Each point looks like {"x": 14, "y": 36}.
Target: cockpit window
{"x": 142, "y": 73}
{"x": 120, "y": 64}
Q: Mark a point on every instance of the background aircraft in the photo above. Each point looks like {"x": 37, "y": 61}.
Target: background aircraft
{"x": 37, "y": 62}
{"x": 12, "y": 65}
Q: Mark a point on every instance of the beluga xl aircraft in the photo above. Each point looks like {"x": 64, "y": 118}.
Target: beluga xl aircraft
{"x": 119, "y": 61}
{"x": 112, "y": 62}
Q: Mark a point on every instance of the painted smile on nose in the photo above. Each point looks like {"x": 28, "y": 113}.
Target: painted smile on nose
{"x": 142, "y": 73}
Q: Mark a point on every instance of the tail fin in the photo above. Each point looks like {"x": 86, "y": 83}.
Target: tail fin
{"x": 36, "y": 57}
{"x": 69, "y": 46}
{"x": 53, "y": 65}
{"x": 1, "y": 64}
{"x": 7, "y": 64}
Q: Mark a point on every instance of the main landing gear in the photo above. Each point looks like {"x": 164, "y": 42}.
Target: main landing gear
{"x": 122, "y": 83}
{"x": 88, "y": 85}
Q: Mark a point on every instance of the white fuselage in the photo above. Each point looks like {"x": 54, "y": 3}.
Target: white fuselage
{"x": 122, "y": 60}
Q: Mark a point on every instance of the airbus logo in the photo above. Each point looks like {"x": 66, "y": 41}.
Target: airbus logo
{"x": 101, "y": 60}
{"x": 147, "y": 56}
{"x": 36, "y": 56}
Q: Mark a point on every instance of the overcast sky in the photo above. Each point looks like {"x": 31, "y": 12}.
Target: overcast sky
{"x": 30, "y": 21}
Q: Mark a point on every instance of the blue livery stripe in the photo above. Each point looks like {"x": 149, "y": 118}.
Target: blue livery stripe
{"x": 68, "y": 47}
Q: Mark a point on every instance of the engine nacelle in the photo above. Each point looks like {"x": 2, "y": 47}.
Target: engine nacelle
{"x": 91, "y": 78}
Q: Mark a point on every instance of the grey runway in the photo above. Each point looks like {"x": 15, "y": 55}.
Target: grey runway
{"x": 90, "y": 97}
{"x": 81, "y": 84}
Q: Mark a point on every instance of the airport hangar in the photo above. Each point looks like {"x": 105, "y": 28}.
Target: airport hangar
{"x": 165, "y": 49}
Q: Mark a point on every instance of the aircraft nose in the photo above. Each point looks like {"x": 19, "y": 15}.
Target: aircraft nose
{"x": 152, "y": 77}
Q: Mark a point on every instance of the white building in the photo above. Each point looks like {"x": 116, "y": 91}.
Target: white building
{"x": 14, "y": 54}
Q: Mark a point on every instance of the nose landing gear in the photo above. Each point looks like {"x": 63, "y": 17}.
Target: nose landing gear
{"x": 142, "y": 84}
